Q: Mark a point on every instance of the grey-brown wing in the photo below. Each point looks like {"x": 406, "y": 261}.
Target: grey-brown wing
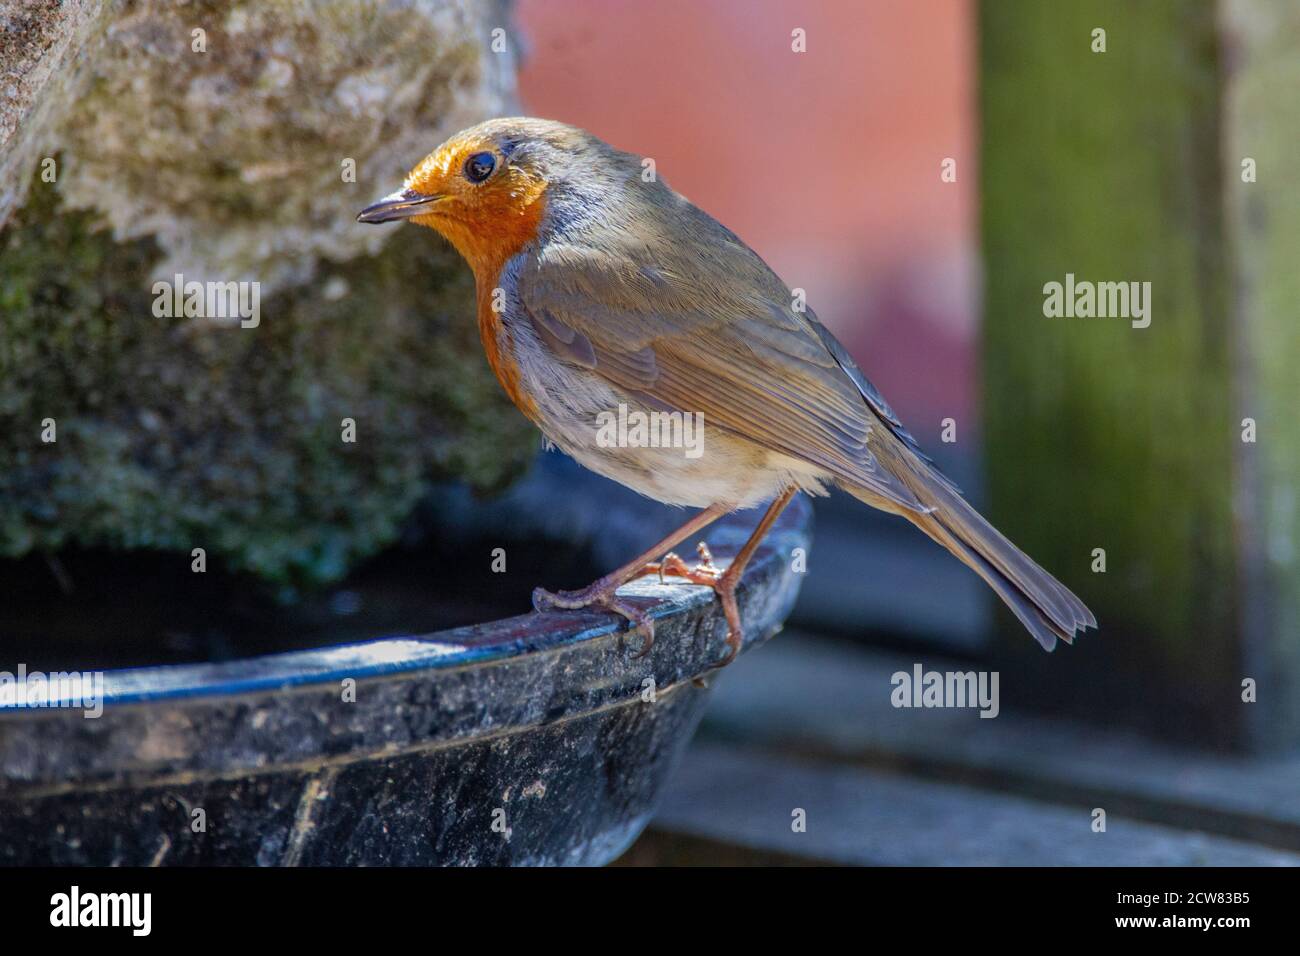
{"x": 746, "y": 362}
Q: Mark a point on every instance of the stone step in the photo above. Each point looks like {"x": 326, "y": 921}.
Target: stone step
{"x": 734, "y": 805}
{"x": 804, "y": 696}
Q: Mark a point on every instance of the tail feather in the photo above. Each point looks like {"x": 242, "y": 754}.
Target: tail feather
{"x": 1047, "y": 608}
{"x": 1025, "y": 603}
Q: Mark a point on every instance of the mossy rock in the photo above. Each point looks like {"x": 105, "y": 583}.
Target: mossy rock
{"x": 234, "y": 141}
{"x": 181, "y": 433}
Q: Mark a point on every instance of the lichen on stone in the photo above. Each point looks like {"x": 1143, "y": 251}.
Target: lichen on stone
{"x": 223, "y": 129}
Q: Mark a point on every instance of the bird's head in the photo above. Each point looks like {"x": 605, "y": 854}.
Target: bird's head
{"x": 485, "y": 188}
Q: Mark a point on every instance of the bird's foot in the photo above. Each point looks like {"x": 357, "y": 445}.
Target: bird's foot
{"x": 706, "y": 572}
{"x": 601, "y": 594}
{"x": 709, "y": 574}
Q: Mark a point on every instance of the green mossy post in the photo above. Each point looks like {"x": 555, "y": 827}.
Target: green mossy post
{"x": 1127, "y": 165}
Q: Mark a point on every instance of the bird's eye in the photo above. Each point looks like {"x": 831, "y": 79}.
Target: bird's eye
{"x": 479, "y": 167}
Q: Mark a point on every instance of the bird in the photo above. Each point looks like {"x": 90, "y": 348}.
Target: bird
{"x": 599, "y": 288}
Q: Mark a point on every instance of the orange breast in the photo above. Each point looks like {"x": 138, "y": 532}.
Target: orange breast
{"x": 497, "y": 346}
{"x": 488, "y": 235}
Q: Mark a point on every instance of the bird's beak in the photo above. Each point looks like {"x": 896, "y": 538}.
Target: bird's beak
{"x": 402, "y": 204}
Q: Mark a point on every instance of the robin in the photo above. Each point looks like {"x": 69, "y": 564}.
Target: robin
{"x": 602, "y": 291}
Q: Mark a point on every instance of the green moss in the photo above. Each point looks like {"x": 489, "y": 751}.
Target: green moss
{"x": 175, "y": 434}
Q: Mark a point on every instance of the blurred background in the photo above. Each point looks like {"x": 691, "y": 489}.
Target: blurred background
{"x": 921, "y": 170}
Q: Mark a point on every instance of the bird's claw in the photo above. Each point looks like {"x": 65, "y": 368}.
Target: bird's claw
{"x": 706, "y": 572}
{"x": 710, "y": 575}
{"x": 544, "y": 600}
{"x": 604, "y": 595}
{"x": 606, "y": 599}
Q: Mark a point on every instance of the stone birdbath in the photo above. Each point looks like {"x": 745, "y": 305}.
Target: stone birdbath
{"x": 538, "y": 739}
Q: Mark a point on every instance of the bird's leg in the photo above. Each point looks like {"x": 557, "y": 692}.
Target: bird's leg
{"x": 602, "y": 592}
{"x": 724, "y": 582}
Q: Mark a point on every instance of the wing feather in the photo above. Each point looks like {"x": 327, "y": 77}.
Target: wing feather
{"x": 733, "y": 351}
